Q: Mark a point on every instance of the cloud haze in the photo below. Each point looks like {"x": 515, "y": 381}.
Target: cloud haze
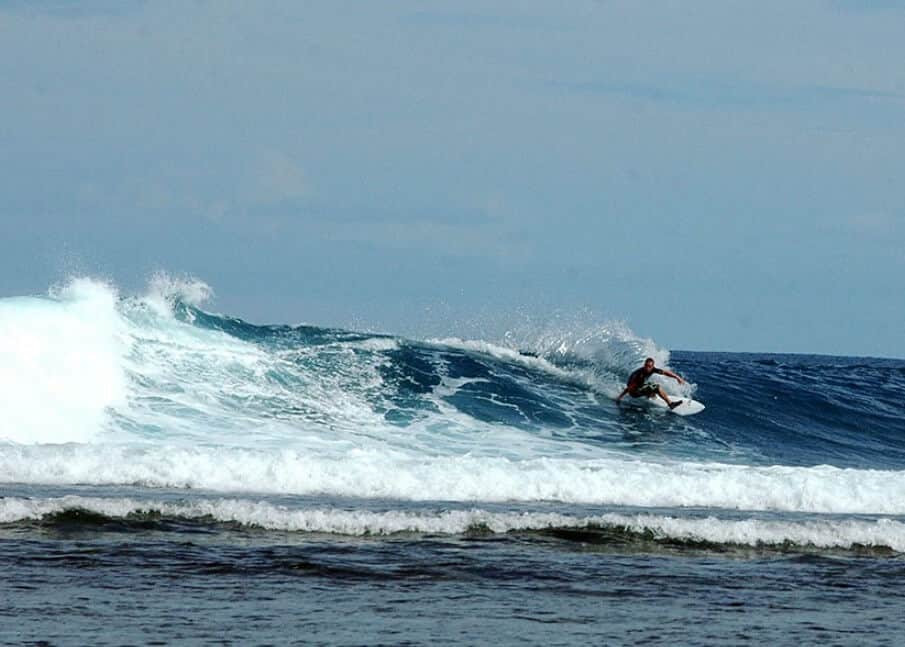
{"x": 721, "y": 175}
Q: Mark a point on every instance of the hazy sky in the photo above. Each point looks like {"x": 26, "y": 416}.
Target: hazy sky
{"x": 720, "y": 175}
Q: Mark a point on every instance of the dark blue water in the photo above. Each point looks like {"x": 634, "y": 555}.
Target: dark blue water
{"x": 100, "y": 588}
{"x": 220, "y": 482}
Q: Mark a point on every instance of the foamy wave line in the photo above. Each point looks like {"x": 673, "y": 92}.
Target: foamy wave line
{"x": 498, "y": 352}
{"x": 842, "y": 534}
{"x": 384, "y": 474}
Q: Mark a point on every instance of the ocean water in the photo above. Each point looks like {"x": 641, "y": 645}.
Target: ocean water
{"x": 168, "y": 475}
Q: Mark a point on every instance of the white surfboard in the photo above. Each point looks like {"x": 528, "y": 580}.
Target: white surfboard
{"x": 688, "y": 407}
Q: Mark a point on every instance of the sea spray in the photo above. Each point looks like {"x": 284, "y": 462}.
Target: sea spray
{"x": 61, "y": 363}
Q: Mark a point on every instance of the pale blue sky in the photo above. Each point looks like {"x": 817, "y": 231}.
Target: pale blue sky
{"x": 720, "y": 175}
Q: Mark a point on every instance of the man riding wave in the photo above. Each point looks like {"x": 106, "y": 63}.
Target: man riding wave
{"x": 638, "y": 387}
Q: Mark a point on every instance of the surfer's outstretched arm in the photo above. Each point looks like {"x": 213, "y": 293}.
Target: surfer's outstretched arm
{"x": 621, "y": 395}
{"x": 668, "y": 373}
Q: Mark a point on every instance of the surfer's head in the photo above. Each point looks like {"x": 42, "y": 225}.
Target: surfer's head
{"x": 649, "y": 364}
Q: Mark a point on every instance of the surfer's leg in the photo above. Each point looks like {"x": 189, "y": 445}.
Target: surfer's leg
{"x": 672, "y": 404}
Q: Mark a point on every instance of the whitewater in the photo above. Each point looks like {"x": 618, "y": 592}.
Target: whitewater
{"x": 200, "y": 438}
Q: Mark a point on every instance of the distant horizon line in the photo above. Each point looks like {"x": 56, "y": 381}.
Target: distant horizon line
{"x": 787, "y": 353}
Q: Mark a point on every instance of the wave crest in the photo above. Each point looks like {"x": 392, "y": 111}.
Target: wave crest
{"x": 614, "y": 527}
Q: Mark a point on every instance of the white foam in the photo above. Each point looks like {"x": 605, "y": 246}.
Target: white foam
{"x": 394, "y": 473}
{"x": 820, "y": 533}
{"x": 829, "y": 533}
{"x": 60, "y": 363}
{"x": 164, "y": 290}
{"x": 376, "y": 344}
{"x": 499, "y": 352}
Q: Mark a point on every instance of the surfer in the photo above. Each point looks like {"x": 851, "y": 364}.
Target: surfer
{"x": 637, "y": 386}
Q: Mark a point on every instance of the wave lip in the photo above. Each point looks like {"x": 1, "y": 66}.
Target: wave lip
{"x": 832, "y": 533}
